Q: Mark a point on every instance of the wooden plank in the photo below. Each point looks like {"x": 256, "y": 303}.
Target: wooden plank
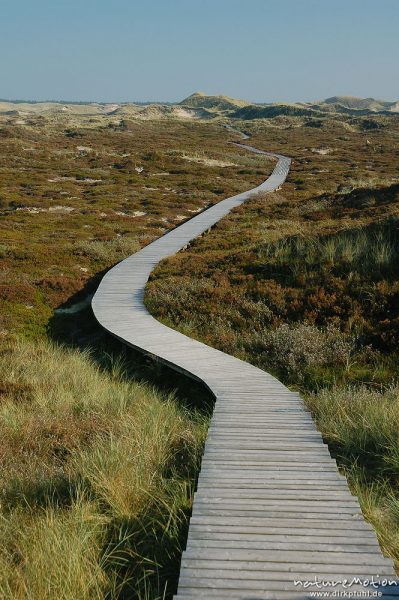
{"x": 219, "y": 579}
{"x": 253, "y": 511}
{"x": 268, "y": 585}
{"x": 274, "y": 497}
{"x": 189, "y": 593}
{"x": 322, "y": 546}
{"x": 261, "y": 504}
{"x": 213, "y": 537}
{"x": 352, "y": 524}
{"x": 291, "y": 556}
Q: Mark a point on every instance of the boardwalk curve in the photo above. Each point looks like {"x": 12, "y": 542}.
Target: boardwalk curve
{"x": 271, "y": 509}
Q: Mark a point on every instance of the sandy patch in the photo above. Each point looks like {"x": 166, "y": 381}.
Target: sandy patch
{"x": 57, "y": 179}
{"x": 136, "y": 213}
{"x": 110, "y": 108}
{"x": 34, "y": 210}
{"x": 184, "y": 113}
{"x": 61, "y": 209}
{"x": 209, "y": 162}
{"x": 52, "y": 209}
{"x": 321, "y": 151}
{"x": 85, "y": 180}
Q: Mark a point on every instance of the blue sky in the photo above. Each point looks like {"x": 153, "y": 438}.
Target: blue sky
{"x": 260, "y": 50}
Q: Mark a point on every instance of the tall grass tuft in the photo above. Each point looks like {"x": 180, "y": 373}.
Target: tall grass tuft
{"x": 361, "y": 424}
{"x": 98, "y": 478}
{"x": 107, "y": 251}
{"x": 365, "y": 249}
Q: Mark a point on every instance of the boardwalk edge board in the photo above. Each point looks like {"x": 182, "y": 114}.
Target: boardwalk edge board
{"x": 268, "y": 480}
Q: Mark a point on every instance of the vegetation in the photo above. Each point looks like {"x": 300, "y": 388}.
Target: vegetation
{"x": 212, "y": 103}
{"x": 77, "y": 194}
{"x": 99, "y": 454}
{"x": 97, "y": 479}
{"x": 304, "y": 284}
{"x": 335, "y": 106}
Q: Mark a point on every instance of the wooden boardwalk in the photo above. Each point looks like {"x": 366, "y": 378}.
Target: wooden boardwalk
{"x": 271, "y": 508}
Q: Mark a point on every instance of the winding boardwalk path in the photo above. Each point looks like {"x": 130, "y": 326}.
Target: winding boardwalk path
{"x": 270, "y": 506}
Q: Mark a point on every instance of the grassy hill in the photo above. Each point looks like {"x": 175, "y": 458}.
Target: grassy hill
{"x": 255, "y": 111}
{"x": 359, "y": 103}
{"x": 353, "y": 105}
{"x": 200, "y": 106}
{"x": 48, "y": 108}
{"x": 150, "y": 112}
{"x": 240, "y": 109}
{"x": 214, "y": 103}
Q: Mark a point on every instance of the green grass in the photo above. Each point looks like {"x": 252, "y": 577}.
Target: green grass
{"x": 360, "y": 424}
{"x": 372, "y": 250}
{"x": 108, "y": 251}
{"x": 97, "y": 479}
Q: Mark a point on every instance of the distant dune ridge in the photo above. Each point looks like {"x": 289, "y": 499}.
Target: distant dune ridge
{"x": 362, "y": 103}
{"x": 203, "y": 106}
{"x": 132, "y": 110}
{"x": 250, "y": 110}
{"x": 200, "y": 100}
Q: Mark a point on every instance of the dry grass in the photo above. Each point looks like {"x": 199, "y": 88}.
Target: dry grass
{"x": 97, "y": 478}
{"x": 361, "y": 427}
{"x": 109, "y": 251}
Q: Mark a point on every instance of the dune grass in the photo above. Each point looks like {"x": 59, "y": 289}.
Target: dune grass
{"x": 371, "y": 251}
{"x": 107, "y": 251}
{"x": 97, "y": 479}
{"x": 360, "y": 424}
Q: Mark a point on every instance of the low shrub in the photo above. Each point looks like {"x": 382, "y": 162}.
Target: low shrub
{"x": 108, "y": 251}
{"x": 292, "y": 350}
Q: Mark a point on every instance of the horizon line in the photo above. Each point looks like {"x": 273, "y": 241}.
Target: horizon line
{"x": 170, "y": 102}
